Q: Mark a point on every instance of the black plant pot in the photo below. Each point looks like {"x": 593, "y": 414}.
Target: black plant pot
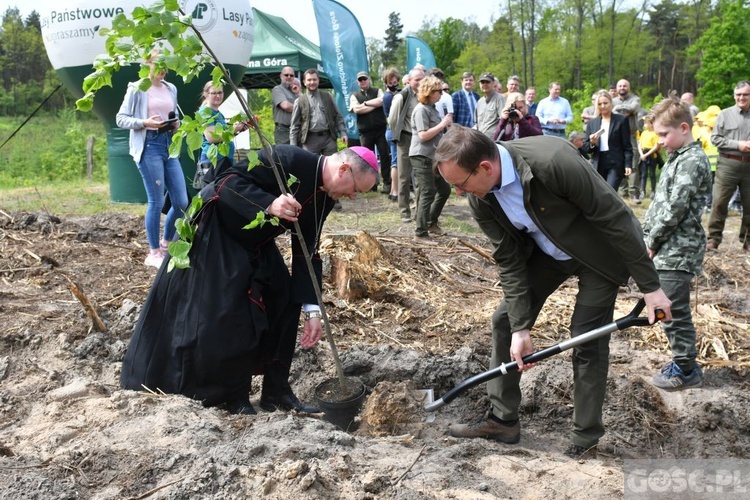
{"x": 340, "y": 405}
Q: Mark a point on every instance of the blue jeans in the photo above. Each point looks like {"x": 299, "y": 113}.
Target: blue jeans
{"x": 554, "y": 132}
{"x": 158, "y": 171}
{"x": 392, "y": 145}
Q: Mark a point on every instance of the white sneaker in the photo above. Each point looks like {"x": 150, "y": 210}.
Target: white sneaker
{"x": 154, "y": 260}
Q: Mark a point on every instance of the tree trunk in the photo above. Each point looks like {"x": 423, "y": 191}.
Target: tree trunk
{"x": 90, "y": 157}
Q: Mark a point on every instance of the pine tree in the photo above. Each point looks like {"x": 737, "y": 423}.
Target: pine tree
{"x": 393, "y": 40}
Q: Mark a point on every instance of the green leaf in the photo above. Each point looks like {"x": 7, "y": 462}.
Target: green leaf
{"x": 139, "y": 13}
{"x": 274, "y": 221}
{"x": 185, "y": 229}
{"x": 252, "y": 159}
{"x": 179, "y": 263}
{"x": 121, "y": 23}
{"x": 85, "y": 103}
{"x": 123, "y": 46}
{"x": 223, "y": 148}
{"x": 179, "y": 248}
{"x": 195, "y": 206}
{"x": 176, "y": 146}
{"x": 194, "y": 140}
{"x": 96, "y": 80}
{"x": 291, "y": 180}
{"x": 213, "y": 154}
{"x": 217, "y": 76}
{"x": 144, "y": 84}
{"x": 171, "y": 5}
{"x": 260, "y": 220}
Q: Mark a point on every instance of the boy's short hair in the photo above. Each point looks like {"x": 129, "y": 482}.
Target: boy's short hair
{"x": 671, "y": 112}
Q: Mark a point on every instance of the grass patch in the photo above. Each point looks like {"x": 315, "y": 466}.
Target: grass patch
{"x": 77, "y": 197}
{"x": 459, "y": 226}
{"x": 50, "y": 149}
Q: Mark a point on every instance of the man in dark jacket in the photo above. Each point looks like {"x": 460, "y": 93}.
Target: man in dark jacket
{"x": 316, "y": 121}
{"x": 549, "y": 216}
{"x": 367, "y": 104}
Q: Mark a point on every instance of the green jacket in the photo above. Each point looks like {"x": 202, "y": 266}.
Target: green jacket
{"x": 672, "y": 227}
{"x": 576, "y": 210}
{"x": 300, "y": 121}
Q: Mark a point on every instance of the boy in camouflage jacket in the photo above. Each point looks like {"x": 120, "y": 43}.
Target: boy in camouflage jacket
{"x": 675, "y": 237}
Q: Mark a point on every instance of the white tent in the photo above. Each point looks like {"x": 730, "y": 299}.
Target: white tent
{"x": 230, "y": 108}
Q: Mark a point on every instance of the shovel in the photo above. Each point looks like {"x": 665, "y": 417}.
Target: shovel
{"x": 632, "y": 319}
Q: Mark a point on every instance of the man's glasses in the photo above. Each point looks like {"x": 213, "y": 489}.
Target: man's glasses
{"x": 290, "y": 75}
{"x": 218, "y": 92}
{"x": 461, "y": 185}
{"x": 362, "y": 79}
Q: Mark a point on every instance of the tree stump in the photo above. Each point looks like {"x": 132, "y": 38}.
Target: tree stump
{"x": 355, "y": 263}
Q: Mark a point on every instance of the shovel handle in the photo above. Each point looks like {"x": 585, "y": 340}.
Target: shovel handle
{"x": 632, "y": 319}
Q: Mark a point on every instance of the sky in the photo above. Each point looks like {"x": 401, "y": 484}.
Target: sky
{"x": 299, "y": 13}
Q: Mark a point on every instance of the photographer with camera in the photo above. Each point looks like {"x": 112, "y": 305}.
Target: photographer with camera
{"x": 515, "y": 122}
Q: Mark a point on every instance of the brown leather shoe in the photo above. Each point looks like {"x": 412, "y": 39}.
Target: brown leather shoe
{"x": 712, "y": 245}
{"x": 580, "y": 453}
{"x": 486, "y": 427}
{"x": 436, "y": 230}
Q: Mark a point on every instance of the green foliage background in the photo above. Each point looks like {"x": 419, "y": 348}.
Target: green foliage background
{"x": 50, "y": 148}
{"x": 701, "y": 46}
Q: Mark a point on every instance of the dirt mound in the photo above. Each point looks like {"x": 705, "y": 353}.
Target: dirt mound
{"x": 422, "y": 322}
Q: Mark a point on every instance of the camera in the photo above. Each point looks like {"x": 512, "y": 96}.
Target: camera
{"x": 513, "y": 113}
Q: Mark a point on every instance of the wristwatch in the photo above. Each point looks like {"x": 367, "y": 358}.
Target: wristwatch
{"x": 312, "y": 314}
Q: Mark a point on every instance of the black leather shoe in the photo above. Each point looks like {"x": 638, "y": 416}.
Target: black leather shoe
{"x": 240, "y": 407}
{"x": 286, "y": 402}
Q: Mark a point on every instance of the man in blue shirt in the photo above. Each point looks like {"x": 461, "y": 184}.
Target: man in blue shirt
{"x": 554, "y": 112}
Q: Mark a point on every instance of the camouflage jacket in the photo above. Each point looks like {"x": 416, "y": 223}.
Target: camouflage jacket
{"x": 672, "y": 226}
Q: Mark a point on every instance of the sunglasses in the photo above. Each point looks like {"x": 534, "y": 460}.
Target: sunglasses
{"x": 362, "y": 79}
{"x": 290, "y": 75}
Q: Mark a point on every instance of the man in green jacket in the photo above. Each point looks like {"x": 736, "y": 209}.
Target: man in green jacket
{"x": 549, "y": 216}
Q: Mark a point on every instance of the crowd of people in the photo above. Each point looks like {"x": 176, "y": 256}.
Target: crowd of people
{"x": 511, "y": 157}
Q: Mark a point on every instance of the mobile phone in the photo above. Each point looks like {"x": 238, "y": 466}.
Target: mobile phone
{"x": 169, "y": 120}
{"x": 600, "y": 132}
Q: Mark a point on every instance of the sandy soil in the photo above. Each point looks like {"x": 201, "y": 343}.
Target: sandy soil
{"x": 68, "y": 431}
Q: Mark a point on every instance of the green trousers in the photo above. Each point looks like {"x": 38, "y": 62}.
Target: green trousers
{"x": 594, "y": 308}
